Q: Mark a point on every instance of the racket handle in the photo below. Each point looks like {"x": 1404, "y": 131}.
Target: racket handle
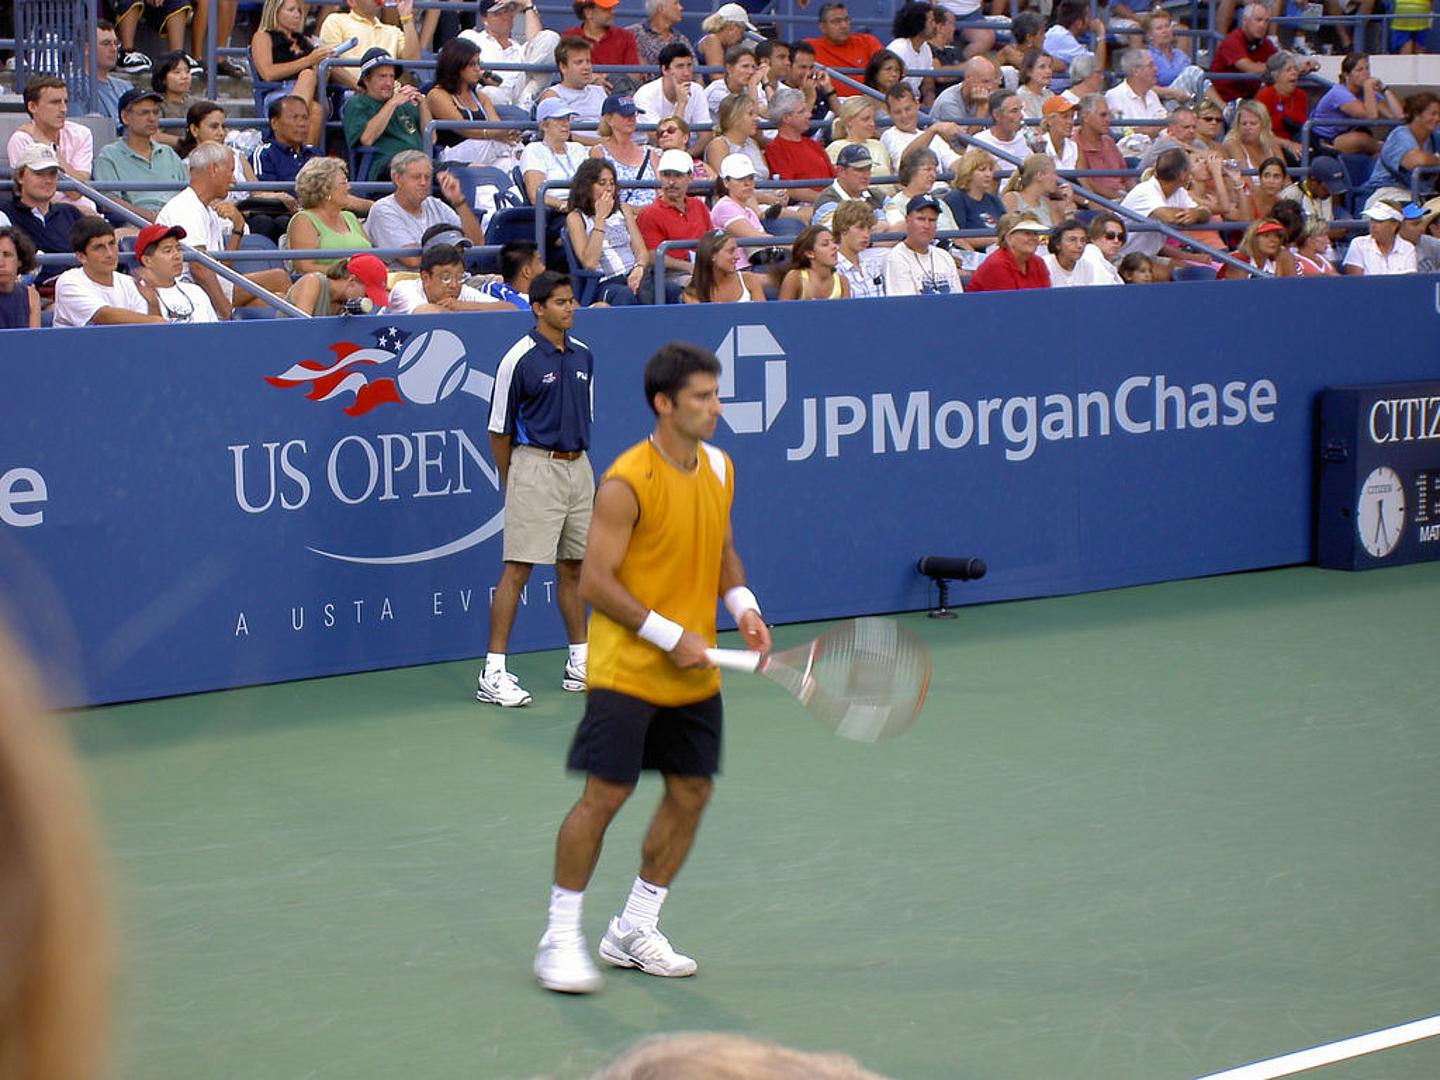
{"x": 735, "y": 659}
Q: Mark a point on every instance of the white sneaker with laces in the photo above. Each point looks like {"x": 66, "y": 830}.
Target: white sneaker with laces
{"x": 501, "y": 688}
{"x": 645, "y": 948}
{"x": 574, "y": 679}
{"x": 563, "y": 964}
{"x": 133, "y": 62}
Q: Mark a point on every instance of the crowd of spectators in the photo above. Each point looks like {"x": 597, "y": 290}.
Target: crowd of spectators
{"x": 966, "y": 132}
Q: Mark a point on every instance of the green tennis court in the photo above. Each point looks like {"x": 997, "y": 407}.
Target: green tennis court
{"x": 1156, "y": 832}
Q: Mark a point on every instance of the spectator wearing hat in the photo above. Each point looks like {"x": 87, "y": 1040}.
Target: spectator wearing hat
{"x": 1421, "y": 226}
{"x": 675, "y": 215}
{"x": 440, "y": 288}
{"x": 1262, "y": 246}
{"x": 790, "y": 154}
{"x": 46, "y": 102}
{"x": 362, "y": 22}
{"x": 743, "y": 75}
{"x": 1134, "y": 96}
{"x": 631, "y": 160}
{"x": 837, "y": 47}
{"x": 605, "y": 237}
{"x": 353, "y": 286}
{"x": 554, "y": 156}
{"x": 214, "y": 225}
{"x": 577, "y": 89}
{"x": 675, "y": 93}
{"x": 383, "y": 113}
{"x": 1357, "y": 96}
{"x": 1006, "y": 132}
{"x": 1408, "y": 147}
{"x": 609, "y": 43}
{"x": 157, "y": 247}
{"x": 518, "y": 89}
{"x": 1057, "y": 125}
{"x": 457, "y": 96}
{"x": 724, "y": 29}
{"x": 658, "y": 29}
{"x": 1384, "y": 250}
{"x": 401, "y": 220}
{"x": 736, "y": 209}
{"x": 35, "y": 210}
{"x": 1014, "y": 263}
{"x": 855, "y": 126}
{"x": 19, "y": 302}
{"x": 1316, "y": 193}
{"x": 140, "y": 156}
{"x": 852, "y": 181}
{"x": 93, "y": 293}
{"x": 904, "y": 132}
{"x": 915, "y": 266}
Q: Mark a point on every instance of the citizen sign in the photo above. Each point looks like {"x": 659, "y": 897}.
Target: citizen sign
{"x": 399, "y": 373}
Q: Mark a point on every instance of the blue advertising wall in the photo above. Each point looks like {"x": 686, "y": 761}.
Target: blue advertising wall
{"x": 185, "y": 508}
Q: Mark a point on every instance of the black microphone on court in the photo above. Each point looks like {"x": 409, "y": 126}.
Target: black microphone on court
{"x": 943, "y": 569}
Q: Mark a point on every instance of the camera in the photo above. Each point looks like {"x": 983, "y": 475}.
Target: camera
{"x": 360, "y": 306}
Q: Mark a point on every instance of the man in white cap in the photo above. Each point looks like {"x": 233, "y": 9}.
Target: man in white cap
{"x": 497, "y": 18}
{"x": 675, "y": 93}
{"x": 915, "y": 266}
{"x": 1384, "y": 250}
{"x": 675, "y": 214}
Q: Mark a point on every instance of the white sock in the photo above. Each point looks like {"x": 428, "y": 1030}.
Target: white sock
{"x": 578, "y": 653}
{"x": 494, "y": 661}
{"x": 565, "y": 908}
{"x": 642, "y": 909}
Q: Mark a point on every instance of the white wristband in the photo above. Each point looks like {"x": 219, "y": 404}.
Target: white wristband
{"x": 740, "y": 600}
{"x": 660, "y": 631}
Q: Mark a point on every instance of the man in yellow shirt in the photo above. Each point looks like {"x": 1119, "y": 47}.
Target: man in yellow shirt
{"x": 362, "y": 22}
{"x": 660, "y": 552}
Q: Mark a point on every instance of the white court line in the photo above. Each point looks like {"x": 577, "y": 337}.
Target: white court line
{"x": 1332, "y": 1052}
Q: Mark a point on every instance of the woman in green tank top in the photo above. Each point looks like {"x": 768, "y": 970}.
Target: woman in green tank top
{"x": 321, "y": 187}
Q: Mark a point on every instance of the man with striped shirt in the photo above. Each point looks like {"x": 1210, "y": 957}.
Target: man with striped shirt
{"x": 540, "y": 416}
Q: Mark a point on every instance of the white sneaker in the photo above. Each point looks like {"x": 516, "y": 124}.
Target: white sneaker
{"x": 501, "y": 688}
{"x": 574, "y": 679}
{"x": 133, "y": 62}
{"x": 564, "y": 965}
{"x": 645, "y": 948}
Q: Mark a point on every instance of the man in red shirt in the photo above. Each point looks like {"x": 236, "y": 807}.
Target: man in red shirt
{"x": 609, "y": 44}
{"x": 1244, "y": 51}
{"x": 837, "y": 47}
{"x": 675, "y": 214}
{"x": 792, "y": 155}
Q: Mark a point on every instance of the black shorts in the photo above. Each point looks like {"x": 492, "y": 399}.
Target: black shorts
{"x": 620, "y": 735}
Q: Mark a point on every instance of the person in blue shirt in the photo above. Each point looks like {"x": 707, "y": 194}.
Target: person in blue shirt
{"x": 280, "y": 158}
{"x": 540, "y": 414}
{"x": 520, "y": 262}
{"x": 1408, "y": 147}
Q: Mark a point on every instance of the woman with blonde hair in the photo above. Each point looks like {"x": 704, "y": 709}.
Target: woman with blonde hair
{"x": 1036, "y": 187}
{"x": 855, "y": 124}
{"x": 812, "y": 274}
{"x": 322, "y": 187}
{"x": 717, "y": 279}
{"x": 724, "y": 27}
{"x": 1250, "y": 141}
{"x": 1263, "y": 246}
{"x": 1310, "y": 252}
{"x": 55, "y": 953}
{"x": 280, "y": 52}
{"x": 630, "y": 160}
{"x": 972, "y": 200}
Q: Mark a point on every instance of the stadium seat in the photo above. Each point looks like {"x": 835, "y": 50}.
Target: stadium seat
{"x": 256, "y": 242}
{"x": 1193, "y": 273}
{"x": 360, "y": 159}
{"x": 587, "y": 282}
{"x": 257, "y": 311}
{"x": 259, "y": 87}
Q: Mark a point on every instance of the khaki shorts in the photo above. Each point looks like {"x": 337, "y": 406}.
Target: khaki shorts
{"x": 547, "y": 507}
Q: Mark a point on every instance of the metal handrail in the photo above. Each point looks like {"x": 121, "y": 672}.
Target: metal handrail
{"x": 1308, "y": 127}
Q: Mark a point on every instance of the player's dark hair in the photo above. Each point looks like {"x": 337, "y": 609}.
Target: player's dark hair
{"x": 670, "y": 369}
{"x": 86, "y": 229}
{"x": 514, "y": 258}
{"x": 440, "y": 255}
{"x": 544, "y": 286}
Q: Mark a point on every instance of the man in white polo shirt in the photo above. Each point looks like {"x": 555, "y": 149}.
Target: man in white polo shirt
{"x": 1134, "y": 97}
{"x": 93, "y": 294}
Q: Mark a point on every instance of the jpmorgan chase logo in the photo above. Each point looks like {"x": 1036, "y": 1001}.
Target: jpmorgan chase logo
{"x": 740, "y": 355}
{"x": 355, "y": 470}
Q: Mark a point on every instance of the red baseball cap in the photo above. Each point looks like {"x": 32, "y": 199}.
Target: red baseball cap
{"x": 371, "y": 273}
{"x": 153, "y": 234}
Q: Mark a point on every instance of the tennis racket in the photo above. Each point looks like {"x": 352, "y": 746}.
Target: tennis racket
{"x": 864, "y": 680}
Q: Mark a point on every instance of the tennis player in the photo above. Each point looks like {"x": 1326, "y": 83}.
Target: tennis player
{"x": 660, "y": 552}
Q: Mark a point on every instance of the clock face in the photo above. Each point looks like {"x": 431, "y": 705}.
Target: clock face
{"x": 1380, "y": 512}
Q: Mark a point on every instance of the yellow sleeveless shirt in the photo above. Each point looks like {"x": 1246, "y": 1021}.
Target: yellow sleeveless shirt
{"x": 672, "y": 565}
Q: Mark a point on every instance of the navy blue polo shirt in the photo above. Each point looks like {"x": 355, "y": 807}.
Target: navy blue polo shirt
{"x": 276, "y": 161}
{"x": 50, "y": 234}
{"x": 543, "y": 395}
